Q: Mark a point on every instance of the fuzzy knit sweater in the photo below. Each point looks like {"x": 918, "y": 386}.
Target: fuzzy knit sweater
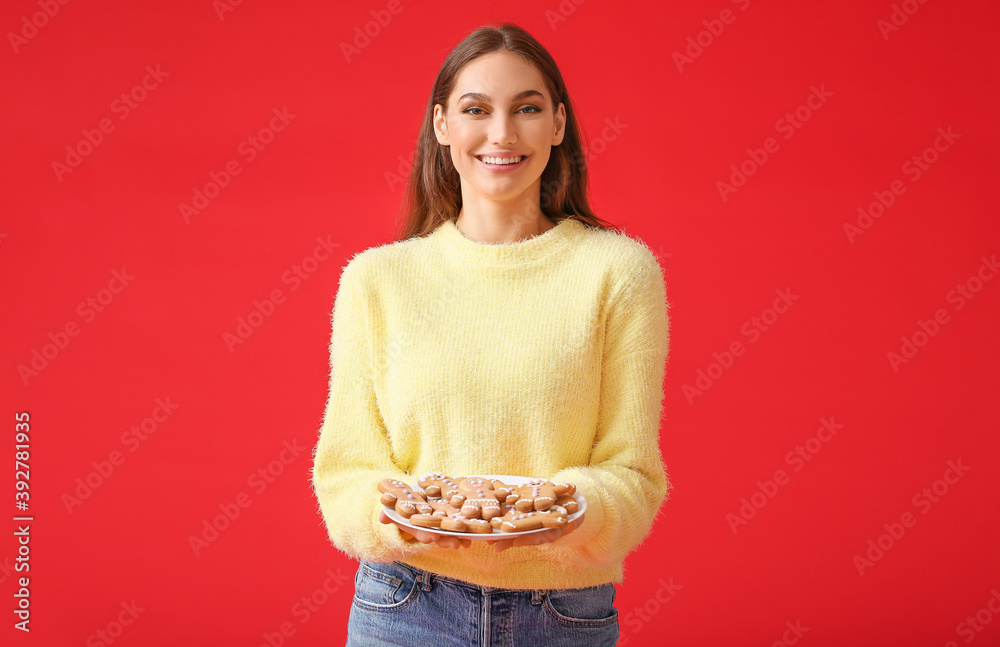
{"x": 542, "y": 358}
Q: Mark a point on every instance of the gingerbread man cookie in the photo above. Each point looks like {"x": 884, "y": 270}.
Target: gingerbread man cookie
{"x": 436, "y": 484}
{"x": 540, "y": 494}
{"x": 426, "y": 520}
{"x": 568, "y": 502}
{"x": 482, "y": 499}
{"x": 517, "y": 521}
{"x": 505, "y": 509}
{"x": 452, "y": 519}
{"x": 398, "y": 495}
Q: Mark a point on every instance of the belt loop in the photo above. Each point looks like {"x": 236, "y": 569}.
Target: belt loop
{"x": 425, "y": 581}
{"x": 536, "y": 597}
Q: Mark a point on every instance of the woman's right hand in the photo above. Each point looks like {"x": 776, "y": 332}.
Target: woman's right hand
{"x": 425, "y": 537}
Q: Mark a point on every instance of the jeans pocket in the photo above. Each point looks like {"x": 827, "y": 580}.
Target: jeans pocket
{"x": 384, "y": 587}
{"x": 589, "y": 607}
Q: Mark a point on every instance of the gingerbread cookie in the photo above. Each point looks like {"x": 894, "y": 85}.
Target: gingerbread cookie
{"x": 481, "y": 505}
{"x": 505, "y": 509}
{"x": 517, "y": 521}
{"x": 406, "y": 502}
{"x": 482, "y": 499}
{"x": 452, "y": 519}
{"x": 436, "y": 484}
{"x": 442, "y": 507}
{"x": 540, "y": 494}
{"x": 471, "y": 525}
{"x": 568, "y": 502}
{"x": 426, "y": 520}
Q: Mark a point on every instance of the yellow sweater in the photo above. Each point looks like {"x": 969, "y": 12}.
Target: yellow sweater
{"x": 541, "y": 358}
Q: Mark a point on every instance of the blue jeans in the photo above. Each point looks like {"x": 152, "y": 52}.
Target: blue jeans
{"x": 397, "y": 604}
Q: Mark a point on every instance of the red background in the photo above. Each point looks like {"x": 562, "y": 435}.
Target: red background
{"x": 325, "y": 175}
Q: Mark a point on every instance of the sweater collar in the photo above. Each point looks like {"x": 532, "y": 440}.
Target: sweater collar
{"x": 462, "y": 248}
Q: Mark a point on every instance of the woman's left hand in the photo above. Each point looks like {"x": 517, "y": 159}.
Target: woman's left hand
{"x": 425, "y": 537}
{"x": 536, "y": 538}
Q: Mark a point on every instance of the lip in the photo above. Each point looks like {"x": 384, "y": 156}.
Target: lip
{"x": 502, "y": 168}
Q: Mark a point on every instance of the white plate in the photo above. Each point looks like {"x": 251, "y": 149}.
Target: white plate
{"x": 496, "y": 534}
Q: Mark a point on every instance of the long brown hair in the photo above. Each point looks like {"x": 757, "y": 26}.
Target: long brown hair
{"x": 433, "y": 188}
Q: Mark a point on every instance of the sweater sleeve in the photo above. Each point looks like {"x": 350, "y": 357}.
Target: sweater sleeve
{"x": 626, "y": 482}
{"x": 353, "y": 452}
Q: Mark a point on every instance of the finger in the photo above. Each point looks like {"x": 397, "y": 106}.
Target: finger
{"x": 383, "y": 517}
{"x": 539, "y": 538}
{"x": 424, "y": 537}
{"x": 503, "y": 545}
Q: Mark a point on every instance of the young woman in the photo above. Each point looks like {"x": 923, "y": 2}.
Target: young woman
{"x": 508, "y": 331}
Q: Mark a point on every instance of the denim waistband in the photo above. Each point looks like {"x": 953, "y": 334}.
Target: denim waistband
{"x": 427, "y": 579}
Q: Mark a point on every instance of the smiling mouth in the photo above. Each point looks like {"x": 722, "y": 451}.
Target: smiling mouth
{"x": 501, "y": 161}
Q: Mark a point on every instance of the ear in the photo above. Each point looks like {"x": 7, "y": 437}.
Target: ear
{"x": 441, "y": 125}
{"x": 560, "y": 125}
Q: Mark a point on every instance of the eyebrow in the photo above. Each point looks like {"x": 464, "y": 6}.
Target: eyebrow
{"x": 479, "y": 96}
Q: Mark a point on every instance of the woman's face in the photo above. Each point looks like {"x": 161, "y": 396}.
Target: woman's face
{"x": 500, "y": 104}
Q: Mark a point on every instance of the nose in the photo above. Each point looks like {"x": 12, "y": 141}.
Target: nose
{"x": 502, "y": 130}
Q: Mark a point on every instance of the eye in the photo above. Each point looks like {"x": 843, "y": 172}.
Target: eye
{"x": 480, "y": 111}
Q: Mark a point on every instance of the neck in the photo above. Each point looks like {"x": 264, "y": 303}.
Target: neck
{"x": 500, "y": 226}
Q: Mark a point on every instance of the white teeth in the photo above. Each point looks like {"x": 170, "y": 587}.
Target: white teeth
{"x": 502, "y": 160}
